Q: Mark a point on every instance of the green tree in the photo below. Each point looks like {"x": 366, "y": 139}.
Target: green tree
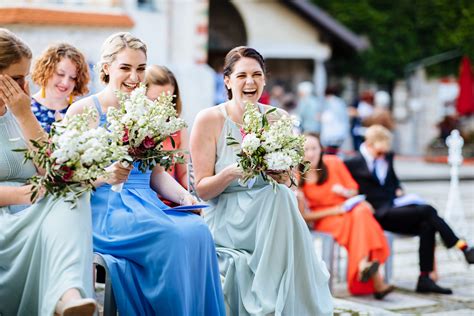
{"x": 401, "y": 32}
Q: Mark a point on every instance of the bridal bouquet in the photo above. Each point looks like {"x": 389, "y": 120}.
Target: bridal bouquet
{"x": 268, "y": 148}
{"x": 144, "y": 125}
{"x": 73, "y": 157}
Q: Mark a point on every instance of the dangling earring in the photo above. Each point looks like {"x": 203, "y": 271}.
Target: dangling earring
{"x": 70, "y": 99}
{"x": 43, "y": 92}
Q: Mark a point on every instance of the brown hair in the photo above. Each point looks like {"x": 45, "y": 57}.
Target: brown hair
{"x": 161, "y": 76}
{"x": 234, "y": 55}
{"x": 113, "y": 45}
{"x": 12, "y": 49}
{"x": 322, "y": 169}
{"x": 45, "y": 66}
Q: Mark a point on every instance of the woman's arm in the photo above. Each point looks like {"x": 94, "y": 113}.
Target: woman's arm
{"x": 10, "y": 195}
{"x": 309, "y": 216}
{"x": 165, "y": 185}
{"x": 203, "y": 143}
{"x": 182, "y": 169}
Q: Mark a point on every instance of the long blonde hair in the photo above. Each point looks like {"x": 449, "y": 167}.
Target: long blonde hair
{"x": 113, "y": 45}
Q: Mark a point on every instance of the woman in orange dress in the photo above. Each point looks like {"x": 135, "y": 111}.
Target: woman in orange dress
{"x": 158, "y": 80}
{"x": 325, "y": 188}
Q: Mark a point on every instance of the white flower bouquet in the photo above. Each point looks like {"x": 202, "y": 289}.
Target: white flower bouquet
{"x": 73, "y": 157}
{"x": 143, "y": 125}
{"x": 268, "y": 148}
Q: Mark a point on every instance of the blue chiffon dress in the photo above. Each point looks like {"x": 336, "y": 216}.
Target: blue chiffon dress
{"x": 162, "y": 262}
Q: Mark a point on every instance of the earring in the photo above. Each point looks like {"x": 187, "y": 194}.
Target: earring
{"x": 70, "y": 99}
{"x": 43, "y": 92}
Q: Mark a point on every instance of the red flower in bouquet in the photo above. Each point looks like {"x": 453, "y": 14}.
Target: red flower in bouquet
{"x": 125, "y": 136}
{"x": 148, "y": 142}
{"x": 68, "y": 173}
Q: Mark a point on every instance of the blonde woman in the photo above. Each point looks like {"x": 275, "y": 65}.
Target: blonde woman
{"x": 162, "y": 262}
{"x": 45, "y": 246}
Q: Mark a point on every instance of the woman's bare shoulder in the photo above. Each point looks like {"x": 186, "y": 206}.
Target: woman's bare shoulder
{"x": 212, "y": 116}
{"x": 80, "y": 105}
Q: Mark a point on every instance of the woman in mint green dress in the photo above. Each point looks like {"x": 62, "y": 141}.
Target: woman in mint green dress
{"x": 265, "y": 251}
{"x": 45, "y": 247}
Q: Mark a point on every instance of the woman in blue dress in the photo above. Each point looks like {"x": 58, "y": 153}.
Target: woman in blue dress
{"x": 63, "y": 74}
{"x": 162, "y": 262}
{"x": 264, "y": 247}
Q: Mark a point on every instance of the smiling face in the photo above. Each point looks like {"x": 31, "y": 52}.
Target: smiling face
{"x": 312, "y": 151}
{"x": 18, "y": 72}
{"x": 154, "y": 91}
{"x": 127, "y": 70}
{"x": 63, "y": 80}
{"x": 246, "y": 81}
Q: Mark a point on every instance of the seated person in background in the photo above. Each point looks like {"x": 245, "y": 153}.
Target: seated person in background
{"x": 326, "y": 187}
{"x": 160, "y": 79}
{"x": 63, "y": 74}
{"x": 372, "y": 168}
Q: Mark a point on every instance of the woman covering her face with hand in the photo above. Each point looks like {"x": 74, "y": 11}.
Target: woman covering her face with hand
{"x": 45, "y": 245}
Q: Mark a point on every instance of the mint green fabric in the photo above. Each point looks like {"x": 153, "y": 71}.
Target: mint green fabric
{"x": 45, "y": 248}
{"x": 264, "y": 247}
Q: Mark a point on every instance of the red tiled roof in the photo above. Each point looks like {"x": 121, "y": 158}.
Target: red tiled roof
{"x": 60, "y": 17}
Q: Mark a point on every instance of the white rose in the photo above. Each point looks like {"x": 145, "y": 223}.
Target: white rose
{"x": 250, "y": 143}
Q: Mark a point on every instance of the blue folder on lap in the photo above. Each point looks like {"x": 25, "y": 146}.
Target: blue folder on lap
{"x": 188, "y": 208}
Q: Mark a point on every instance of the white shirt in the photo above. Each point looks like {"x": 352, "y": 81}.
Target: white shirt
{"x": 380, "y": 164}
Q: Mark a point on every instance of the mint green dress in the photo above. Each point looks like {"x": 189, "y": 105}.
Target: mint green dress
{"x": 264, "y": 247}
{"x": 45, "y": 248}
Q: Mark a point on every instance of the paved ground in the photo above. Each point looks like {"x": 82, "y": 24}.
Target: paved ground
{"x": 431, "y": 181}
{"x": 452, "y": 268}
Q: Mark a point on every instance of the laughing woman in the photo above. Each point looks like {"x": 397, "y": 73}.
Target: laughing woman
{"x": 45, "y": 246}
{"x": 264, "y": 247}
{"x": 63, "y": 75}
{"x": 162, "y": 262}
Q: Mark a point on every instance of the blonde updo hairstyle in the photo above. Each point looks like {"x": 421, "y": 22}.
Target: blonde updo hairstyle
{"x": 113, "y": 45}
{"x": 12, "y": 49}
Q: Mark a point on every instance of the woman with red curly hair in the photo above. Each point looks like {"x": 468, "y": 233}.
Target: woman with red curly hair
{"x": 63, "y": 74}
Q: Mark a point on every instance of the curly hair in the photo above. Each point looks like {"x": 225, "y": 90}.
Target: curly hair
{"x": 46, "y": 64}
{"x": 161, "y": 76}
{"x": 113, "y": 45}
{"x": 12, "y": 49}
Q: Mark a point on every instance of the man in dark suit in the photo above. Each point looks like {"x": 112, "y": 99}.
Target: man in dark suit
{"x": 372, "y": 168}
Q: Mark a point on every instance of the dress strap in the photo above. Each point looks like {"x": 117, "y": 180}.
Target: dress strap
{"x": 97, "y": 105}
{"x": 223, "y": 111}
